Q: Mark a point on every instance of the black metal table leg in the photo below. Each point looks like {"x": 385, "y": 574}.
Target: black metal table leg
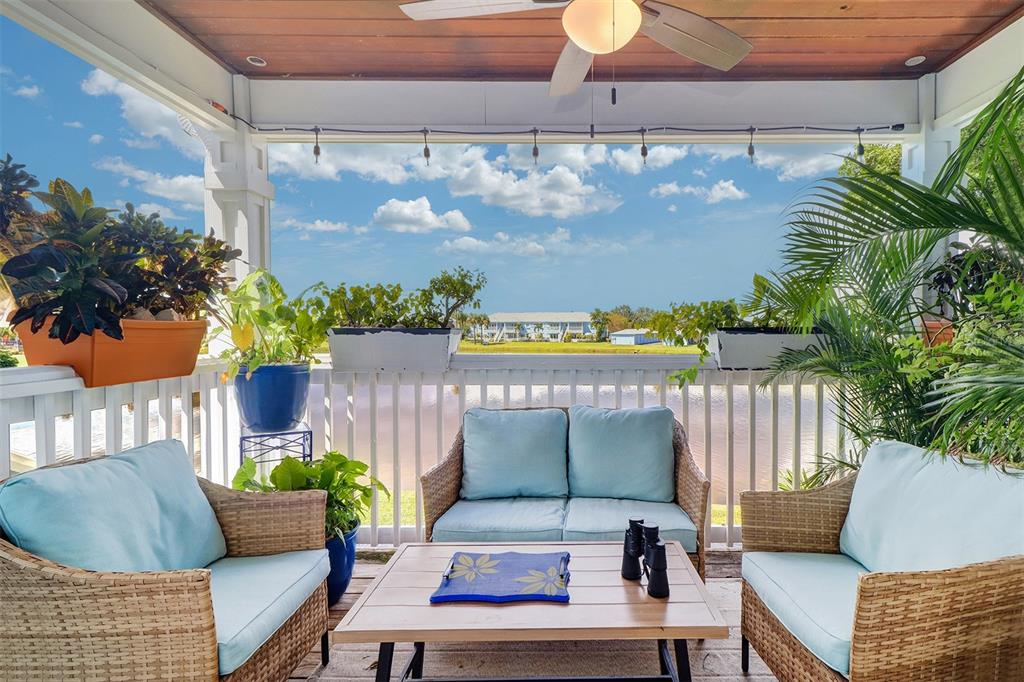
{"x": 662, "y": 652}
{"x": 668, "y": 668}
{"x": 325, "y": 649}
{"x": 414, "y": 667}
{"x": 683, "y": 660}
{"x": 384, "y": 660}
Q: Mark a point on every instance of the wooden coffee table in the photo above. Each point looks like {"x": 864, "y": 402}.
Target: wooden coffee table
{"x": 396, "y": 607}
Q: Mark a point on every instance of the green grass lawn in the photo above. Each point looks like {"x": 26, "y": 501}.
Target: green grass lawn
{"x": 386, "y": 516}
{"x": 583, "y": 347}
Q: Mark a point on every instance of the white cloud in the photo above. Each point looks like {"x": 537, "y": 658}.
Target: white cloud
{"x": 165, "y": 212}
{"x": 672, "y": 208}
{"x": 723, "y": 190}
{"x": 555, "y": 243}
{"x": 185, "y": 190}
{"x": 140, "y": 142}
{"x": 790, "y": 162}
{"x": 557, "y": 191}
{"x": 152, "y": 120}
{"x": 700, "y": 172}
{"x": 95, "y": 138}
{"x": 417, "y": 217}
{"x": 659, "y": 156}
{"x": 28, "y": 91}
{"x": 73, "y": 124}
{"x": 576, "y": 157}
{"x": 318, "y": 225}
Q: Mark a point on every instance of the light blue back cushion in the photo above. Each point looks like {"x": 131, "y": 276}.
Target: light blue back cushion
{"x": 140, "y": 510}
{"x": 513, "y": 453}
{"x": 625, "y": 454}
{"x": 913, "y": 510}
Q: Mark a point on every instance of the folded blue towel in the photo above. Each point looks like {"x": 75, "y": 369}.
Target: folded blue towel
{"x": 504, "y": 577}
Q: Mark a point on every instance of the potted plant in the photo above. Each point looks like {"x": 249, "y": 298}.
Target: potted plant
{"x": 76, "y": 270}
{"x": 349, "y": 497}
{"x": 377, "y": 328}
{"x": 271, "y": 346}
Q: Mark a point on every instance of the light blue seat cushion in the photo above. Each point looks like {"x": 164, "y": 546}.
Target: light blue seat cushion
{"x": 621, "y": 453}
{"x": 813, "y": 595}
{"x": 526, "y": 519}
{"x": 913, "y": 510}
{"x": 514, "y": 453}
{"x": 140, "y": 510}
{"x": 254, "y": 595}
{"x": 590, "y": 519}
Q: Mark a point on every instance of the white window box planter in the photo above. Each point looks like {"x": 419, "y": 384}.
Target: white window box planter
{"x": 753, "y": 347}
{"x": 392, "y": 350}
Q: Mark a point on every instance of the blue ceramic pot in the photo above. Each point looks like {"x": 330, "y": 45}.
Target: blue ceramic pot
{"x": 342, "y": 552}
{"x": 274, "y": 397}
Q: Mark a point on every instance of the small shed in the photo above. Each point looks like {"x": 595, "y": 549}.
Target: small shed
{"x": 633, "y": 337}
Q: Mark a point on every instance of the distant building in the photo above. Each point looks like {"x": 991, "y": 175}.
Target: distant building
{"x": 536, "y": 326}
{"x": 633, "y": 337}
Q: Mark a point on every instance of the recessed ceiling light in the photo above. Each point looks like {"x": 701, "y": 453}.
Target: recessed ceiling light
{"x": 915, "y": 61}
{"x": 256, "y": 61}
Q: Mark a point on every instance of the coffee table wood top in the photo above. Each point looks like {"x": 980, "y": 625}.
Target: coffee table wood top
{"x": 603, "y": 605}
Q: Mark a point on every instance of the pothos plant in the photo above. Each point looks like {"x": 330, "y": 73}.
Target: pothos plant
{"x": 349, "y": 488}
{"x": 264, "y": 327}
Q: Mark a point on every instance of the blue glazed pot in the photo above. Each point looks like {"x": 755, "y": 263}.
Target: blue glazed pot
{"x": 274, "y": 397}
{"x": 342, "y": 553}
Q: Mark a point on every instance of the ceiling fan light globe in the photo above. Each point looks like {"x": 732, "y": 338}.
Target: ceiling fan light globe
{"x": 601, "y": 26}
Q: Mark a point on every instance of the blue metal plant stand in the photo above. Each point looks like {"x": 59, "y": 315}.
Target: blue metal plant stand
{"x": 273, "y": 446}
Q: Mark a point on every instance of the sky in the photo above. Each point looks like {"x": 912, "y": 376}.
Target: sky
{"x": 589, "y": 226}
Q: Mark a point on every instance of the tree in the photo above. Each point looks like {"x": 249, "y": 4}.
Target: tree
{"x": 450, "y": 292}
{"x": 599, "y": 321}
{"x": 690, "y": 323}
{"x": 881, "y": 158}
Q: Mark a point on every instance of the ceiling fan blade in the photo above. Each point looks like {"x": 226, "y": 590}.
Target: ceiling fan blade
{"x": 692, "y": 35}
{"x": 570, "y": 71}
{"x": 454, "y": 9}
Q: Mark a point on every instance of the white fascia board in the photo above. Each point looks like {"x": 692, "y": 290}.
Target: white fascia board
{"x": 969, "y": 83}
{"x": 496, "y": 107}
{"x": 129, "y": 43}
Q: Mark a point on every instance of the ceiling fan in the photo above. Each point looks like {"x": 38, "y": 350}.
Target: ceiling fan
{"x": 603, "y": 26}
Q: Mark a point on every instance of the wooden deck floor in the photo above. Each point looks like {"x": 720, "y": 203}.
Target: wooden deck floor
{"x": 717, "y": 661}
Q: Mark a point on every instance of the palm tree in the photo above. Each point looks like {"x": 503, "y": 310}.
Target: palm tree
{"x": 856, "y": 265}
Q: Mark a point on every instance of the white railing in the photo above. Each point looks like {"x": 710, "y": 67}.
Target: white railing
{"x": 402, "y": 423}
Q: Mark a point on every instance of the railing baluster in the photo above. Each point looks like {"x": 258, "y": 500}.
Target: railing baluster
{"x": 5, "y": 440}
{"x": 707, "y": 449}
{"x": 506, "y": 388}
{"x": 188, "y": 429}
{"x": 483, "y": 388}
{"x": 819, "y": 421}
{"x": 572, "y": 387}
{"x": 140, "y": 414}
{"x": 374, "y": 509}
{"x": 331, "y": 434}
{"x": 396, "y": 460}
{"x": 206, "y": 435}
{"x": 528, "y": 388}
{"x": 316, "y": 414}
{"x": 840, "y": 428}
{"x": 350, "y": 414}
{"x": 112, "y": 428}
{"x": 220, "y": 432}
{"x": 685, "y": 400}
{"x": 81, "y": 416}
{"x": 640, "y": 388}
{"x": 338, "y": 407}
{"x": 797, "y": 399}
{"x": 662, "y": 388}
{"x": 775, "y": 434}
{"x": 595, "y": 387}
{"x": 417, "y": 408}
{"x": 618, "y": 389}
{"x": 462, "y": 393}
{"x": 551, "y": 388}
{"x": 752, "y": 428}
{"x": 730, "y": 460}
{"x": 46, "y": 448}
{"x": 439, "y": 404}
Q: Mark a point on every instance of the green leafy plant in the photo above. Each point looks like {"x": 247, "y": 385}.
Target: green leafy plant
{"x": 7, "y": 359}
{"x": 438, "y": 305}
{"x": 264, "y": 327}
{"x": 349, "y": 489}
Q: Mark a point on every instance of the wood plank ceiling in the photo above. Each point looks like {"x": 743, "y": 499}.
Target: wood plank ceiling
{"x": 373, "y": 39}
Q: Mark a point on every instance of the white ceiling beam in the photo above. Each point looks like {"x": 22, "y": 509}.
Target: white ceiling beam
{"x": 492, "y": 107}
{"x": 134, "y": 46}
{"x": 969, "y": 83}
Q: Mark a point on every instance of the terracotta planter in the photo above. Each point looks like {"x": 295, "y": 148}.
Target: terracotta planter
{"x": 937, "y": 331}
{"x": 150, "y": 350}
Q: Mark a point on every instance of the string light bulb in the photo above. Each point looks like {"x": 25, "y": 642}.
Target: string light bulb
{"x": 860, "y": 145}
{"x": 536, "y": 149}
{"x": 426, "y": 147}
{"x": 750, "y": 146}
{"x": 643, "y": 144}
{"x": 316, "y": 145}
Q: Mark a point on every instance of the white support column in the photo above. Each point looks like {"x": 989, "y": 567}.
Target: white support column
{"x": 924, "y": 153}
{"x": 238, "y": 188}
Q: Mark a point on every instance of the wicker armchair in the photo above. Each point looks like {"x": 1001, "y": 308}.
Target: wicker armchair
{"x": 964, "y": 623}
{"x": 60, "y": 622}
{"x": 442, "y": 484}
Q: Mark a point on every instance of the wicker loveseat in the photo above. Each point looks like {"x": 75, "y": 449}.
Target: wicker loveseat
{"x": 62, "y": 622}
{"x": 910, "y": 570}
{"x": 443, "y": 487}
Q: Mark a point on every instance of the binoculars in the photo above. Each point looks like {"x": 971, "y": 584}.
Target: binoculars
{"x": 644, "y": 543}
